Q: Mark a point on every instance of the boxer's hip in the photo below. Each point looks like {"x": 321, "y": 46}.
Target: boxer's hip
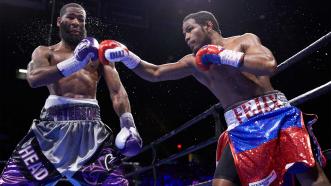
{"x": 70, "y": 134}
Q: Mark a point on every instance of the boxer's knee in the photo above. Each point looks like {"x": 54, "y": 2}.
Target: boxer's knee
{"x": 222, "y": 182}
{"x": 313, "y": 176}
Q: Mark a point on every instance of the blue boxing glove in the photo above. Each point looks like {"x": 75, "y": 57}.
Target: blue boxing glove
{"x": 128, "y": 140}
{"x": 87, "y": 49}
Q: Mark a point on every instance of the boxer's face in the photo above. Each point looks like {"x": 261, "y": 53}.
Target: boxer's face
{"x": 72, "y": 25}
{"x": 195, "y": 35}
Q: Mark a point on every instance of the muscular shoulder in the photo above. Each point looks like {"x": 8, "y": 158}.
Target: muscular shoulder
{"x": 41, "y": 51}
{"x": 40, "y": 56}
{"x": 104, "y": 69}
{"x": 46, "y": 50}
{"x": 249, "y": 37}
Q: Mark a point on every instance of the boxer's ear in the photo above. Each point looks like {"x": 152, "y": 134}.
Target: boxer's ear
{"x": 58, "y": 21}
{"x": 209, "y": 26}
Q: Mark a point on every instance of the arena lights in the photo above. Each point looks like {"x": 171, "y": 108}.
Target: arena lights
{"x": 24, "y": 71}
{"x": 21, "y": 74}
{"x": 179, "y": 146}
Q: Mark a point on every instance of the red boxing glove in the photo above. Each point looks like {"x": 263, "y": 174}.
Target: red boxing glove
{"x": 112, "y": 51}
{"x": 107, "y": 44}
{"x": 201, "y": 58}
{"x": 214, "y": 54}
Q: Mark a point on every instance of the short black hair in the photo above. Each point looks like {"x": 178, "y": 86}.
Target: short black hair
{"x": 64, "y": 7}
{"x": 202, "y": 17}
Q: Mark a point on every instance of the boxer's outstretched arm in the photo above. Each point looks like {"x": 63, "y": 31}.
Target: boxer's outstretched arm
{"x": 117, "y": 92}
{"x": 111, "y": 51}
{"x": 258, "y": 59}
{"x": 40, "y": 73}
{"x": 170, "y": 71}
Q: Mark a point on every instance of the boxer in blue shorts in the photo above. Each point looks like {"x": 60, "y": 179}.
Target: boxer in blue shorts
{"x": 69, "y": 139}
{"x": 237, "y": 71}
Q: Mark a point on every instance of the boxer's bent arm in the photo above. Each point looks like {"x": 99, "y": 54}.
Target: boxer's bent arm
{"x": 258, "y": 59}
{"x": 40, "y": 73}
{"x": 164, "y": 72}
{"x": 117, "y": 92}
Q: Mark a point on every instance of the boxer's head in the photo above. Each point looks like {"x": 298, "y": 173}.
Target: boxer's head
{"x": 72, "y": 23}
{"x": 197, "y": 29}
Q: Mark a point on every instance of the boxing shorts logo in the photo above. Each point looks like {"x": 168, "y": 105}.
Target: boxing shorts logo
{"x": 109, "y": 159}
{"x": 266, "y": 181}
{"x": 253, "y": 107}
{"x": 32, "y": 161}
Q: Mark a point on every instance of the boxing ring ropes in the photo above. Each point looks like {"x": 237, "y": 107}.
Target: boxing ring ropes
{"x": 316, "y": 92}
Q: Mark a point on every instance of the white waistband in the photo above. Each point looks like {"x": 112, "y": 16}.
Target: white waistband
{"x": 54, "y": 100}
{"x": 253, "y": 107}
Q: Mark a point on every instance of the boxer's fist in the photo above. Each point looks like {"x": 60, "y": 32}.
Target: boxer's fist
{"x": 87, "y": 49}
{"x": 207, "y": 55}
{"x": 113, "y": 51}
{"x": 214, "y": 54}
{"x": 128, "y": 140}
{"x": 105, "y": 45}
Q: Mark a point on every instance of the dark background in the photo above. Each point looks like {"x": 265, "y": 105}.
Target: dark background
{"x": 152, "y": 30}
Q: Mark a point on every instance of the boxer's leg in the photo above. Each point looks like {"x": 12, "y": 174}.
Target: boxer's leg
{"x": 28, "y": 165}
{"x": 103, "y": 169}
{"x": 226, "y": 173}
